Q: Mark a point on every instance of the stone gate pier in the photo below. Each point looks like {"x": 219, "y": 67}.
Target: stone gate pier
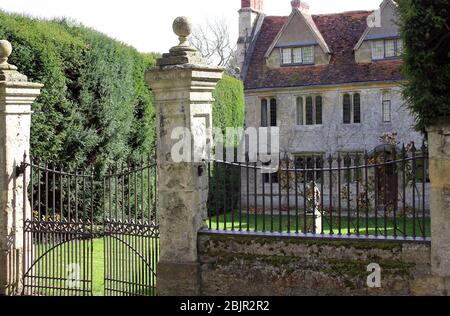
{"x": 182, "y": 85}
{"x": 17, "y": 95}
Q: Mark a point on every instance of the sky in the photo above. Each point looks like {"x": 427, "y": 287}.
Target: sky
{"x": 147, "y": 24}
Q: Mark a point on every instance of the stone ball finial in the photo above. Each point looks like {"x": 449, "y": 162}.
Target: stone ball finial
{"x": 182, "y": 27}
{"x": 5, "y": 51}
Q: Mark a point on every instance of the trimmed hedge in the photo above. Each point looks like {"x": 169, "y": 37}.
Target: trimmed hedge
{"x": 425, "y": 30}
{"x": 95, "y": 108}
{"x": 228, "y": 109}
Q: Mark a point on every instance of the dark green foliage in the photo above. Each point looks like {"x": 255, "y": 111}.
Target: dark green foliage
{"x": 95, "y": 108}
{"x": 228, "y": 109}
{"x": 425, "y": 29}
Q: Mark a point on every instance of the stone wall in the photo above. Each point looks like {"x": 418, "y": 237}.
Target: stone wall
{"x": 261, "y": 265}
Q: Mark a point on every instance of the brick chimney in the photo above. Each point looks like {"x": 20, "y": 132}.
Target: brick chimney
{"x": 302, "y": 6}
{"x": 256, "y": 5}
{"x": 249, "y": 14}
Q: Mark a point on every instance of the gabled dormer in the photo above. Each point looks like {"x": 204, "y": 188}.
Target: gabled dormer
{"x": 299, "y": 43}
{"x": 381, "y": 39}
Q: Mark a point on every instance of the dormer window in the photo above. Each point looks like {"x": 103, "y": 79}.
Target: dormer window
{"x": 291, "y": 56}
{"x": 387, "y": 48}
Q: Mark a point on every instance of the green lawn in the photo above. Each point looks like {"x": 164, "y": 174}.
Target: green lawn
{"x": 288, "y": 224}
{"x": 51, "y": 273}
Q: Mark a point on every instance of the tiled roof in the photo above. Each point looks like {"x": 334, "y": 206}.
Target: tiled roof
{"x": 341, "y": 32}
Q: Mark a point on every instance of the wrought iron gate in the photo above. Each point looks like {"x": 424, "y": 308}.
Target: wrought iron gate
{"x": 131, "y": 242}
{"x": 70, "y": 216}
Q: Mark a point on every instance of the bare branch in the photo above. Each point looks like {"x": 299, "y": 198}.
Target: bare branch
{"x": 213, "y": 41}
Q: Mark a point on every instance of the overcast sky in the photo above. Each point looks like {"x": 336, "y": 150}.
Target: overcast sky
{"x": 147, "y": 24}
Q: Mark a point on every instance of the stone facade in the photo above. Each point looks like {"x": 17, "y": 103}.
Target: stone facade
{"x": 266, "y": 266}
{"x": 333, "y": 135}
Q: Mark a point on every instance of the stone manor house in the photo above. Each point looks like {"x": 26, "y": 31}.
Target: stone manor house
{"x": 331, "y": 83}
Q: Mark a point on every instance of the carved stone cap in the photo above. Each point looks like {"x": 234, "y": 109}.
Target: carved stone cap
{"x": 8, "y": 73}
{"x": 183, "y": 53}
{"x": 5, "y": 52}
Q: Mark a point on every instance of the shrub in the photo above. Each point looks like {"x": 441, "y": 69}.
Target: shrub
{"x": 95, "y": 107}
{"x": 425, "y": 30}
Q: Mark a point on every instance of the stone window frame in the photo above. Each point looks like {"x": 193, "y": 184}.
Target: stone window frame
{"x": 352, "y": 95}
{"x": 270, "y": 103}
{"x": 303, "y": 116}
{"x": 312, "y": 154}
{"x": 269, "y": 178}
{"x": 291, "y": 61}
{"x": 398, "y": 48}
{"x": 384, "y": 104}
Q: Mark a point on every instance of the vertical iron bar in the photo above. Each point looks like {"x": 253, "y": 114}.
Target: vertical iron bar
{"x": 314, "y": 194}
{"x": 413, "y": 180}
{"x": 322, "y": 179}
{"x": 339, "y": 194}
{"x": 263, "y": 198}
{"x": 280, "y": 213}
{"x": 271, "y": 201}
{"x": 349, "y": 216}
{"x": 330, "y": 181}
{"x": 366, "y": 189}
{"x": 224, "y": 192}
{"x": 216, "y": 193}
{"x": 424, "y": 183}
{"x": 385, "y": 190}
{"x": 248, "y": 193}
{"x": 297, "y": 228}
{"x": 395, "y": 201}
{"x": 357, "y": 177}
{"x": 240, "y": 195}
{"x": 305, "y": 196}
{"x": 287, "y": 195}
{"x": 255, "y": 189}
{"x": 209, "y": 201}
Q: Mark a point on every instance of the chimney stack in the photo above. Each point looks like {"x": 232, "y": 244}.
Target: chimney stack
{"x": 256, "y": 5}
{"x": 300, "y": 5}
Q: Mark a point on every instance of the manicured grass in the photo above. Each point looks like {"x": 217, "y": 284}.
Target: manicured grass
{"x": 52, "y": 272}
{"x": 292, "y": 224}
{"x": 98, "y": 271}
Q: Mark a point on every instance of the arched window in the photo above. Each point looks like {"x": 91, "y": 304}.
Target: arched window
{"x": 356, "y": 108}
{"x": 264, "y": 112}
{"x": 318, "y": 110}
{"x": 309, "y": 111}
{"x": 273, "y": 112}
{"x": 347, "y": 108}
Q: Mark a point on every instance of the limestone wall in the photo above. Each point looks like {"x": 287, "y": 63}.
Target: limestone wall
{"x": 252, "y": 265}
{"x": 333, "y": 135}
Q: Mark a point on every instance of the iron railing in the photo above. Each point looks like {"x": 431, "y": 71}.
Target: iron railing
{"x": 383, "y": 194}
